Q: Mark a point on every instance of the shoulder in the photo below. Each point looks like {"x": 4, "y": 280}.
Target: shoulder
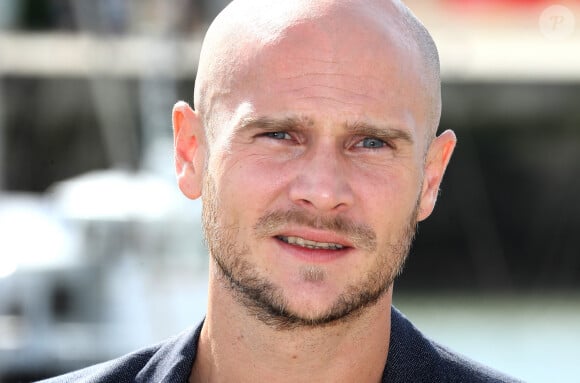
{"x": 123, "y": 369}
{"x": 169, "y": 361}
{"x": 414, "y": 357}
{"x": 458, "y": 368}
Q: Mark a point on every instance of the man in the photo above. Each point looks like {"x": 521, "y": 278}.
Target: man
{"x": 313, "y": 145}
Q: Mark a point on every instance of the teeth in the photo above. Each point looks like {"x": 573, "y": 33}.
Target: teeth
{"x": 311, "y": 244}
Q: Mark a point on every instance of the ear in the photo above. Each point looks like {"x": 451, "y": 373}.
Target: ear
{"x": 438, "y": 157}
{"x": 189, "y": 146}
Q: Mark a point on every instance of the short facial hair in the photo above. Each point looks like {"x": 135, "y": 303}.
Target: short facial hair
{"x": 266, "y": 301}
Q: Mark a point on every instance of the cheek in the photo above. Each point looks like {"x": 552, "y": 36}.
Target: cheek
{"x": 249, "y": 184}
{"x": 389, "y": 197}
{"x": 389, "y": 184}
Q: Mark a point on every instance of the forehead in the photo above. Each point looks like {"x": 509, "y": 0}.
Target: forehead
{"x": 350, "y": 67}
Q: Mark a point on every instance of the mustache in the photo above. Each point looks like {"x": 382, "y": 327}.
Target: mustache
{"x": 361, "y": 236}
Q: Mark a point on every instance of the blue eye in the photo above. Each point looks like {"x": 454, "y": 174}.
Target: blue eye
{"x": 372, "y": 143}
{"x": 278, "y": 135}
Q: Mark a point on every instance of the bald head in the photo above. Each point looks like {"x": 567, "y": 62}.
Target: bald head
{"x": 341, "y": 29}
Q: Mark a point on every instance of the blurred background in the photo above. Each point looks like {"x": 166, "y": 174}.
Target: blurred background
{"x": 100, "y": 254}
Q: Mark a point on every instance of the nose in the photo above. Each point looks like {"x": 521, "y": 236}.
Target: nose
{"x": 322, "y": 182}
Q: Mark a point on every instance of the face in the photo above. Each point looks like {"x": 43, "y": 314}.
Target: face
{"x": 316, "y": 177}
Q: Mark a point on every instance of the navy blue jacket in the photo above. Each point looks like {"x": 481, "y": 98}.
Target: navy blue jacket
{"x": 412, "y": 358}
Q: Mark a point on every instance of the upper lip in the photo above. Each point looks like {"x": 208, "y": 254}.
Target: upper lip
{"x": 317, "y": 236}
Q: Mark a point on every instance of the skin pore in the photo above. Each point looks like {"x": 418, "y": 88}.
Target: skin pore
{"x": 312, "y": 146}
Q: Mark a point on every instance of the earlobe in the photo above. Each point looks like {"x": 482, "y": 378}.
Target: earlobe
{"x": 189, "y": 147}
{"x": 436, "y": 162}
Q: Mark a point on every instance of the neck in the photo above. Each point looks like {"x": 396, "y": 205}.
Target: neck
{"x": 236, "y": 347}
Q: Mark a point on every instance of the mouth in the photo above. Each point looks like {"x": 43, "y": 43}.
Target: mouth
{"x": 298, "y": 241}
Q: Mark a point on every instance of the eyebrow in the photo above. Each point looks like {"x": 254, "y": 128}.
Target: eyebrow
{"x": 274, "y": 124}
{"x": 385, "y": 133}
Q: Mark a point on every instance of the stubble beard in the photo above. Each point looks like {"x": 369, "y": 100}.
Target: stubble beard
{"x": 266, "y": 301}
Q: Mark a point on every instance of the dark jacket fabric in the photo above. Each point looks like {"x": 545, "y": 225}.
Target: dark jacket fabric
{"x": 412, "y": 358}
